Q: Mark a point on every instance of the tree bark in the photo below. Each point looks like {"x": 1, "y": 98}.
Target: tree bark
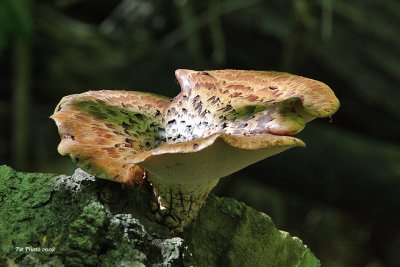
{"x": 81, "y": 221}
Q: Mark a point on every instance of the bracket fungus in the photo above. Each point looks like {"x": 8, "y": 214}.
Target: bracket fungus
{"x": 220, "y": 122}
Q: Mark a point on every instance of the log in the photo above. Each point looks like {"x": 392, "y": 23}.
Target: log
{"x": 58, "y": 220}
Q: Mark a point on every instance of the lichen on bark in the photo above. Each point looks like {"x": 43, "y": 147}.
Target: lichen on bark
{"x": 79, "y": 221}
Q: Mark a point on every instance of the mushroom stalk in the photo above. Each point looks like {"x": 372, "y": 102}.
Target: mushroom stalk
{"x": 182, "y": 181}
{"x": 176, "y": 205}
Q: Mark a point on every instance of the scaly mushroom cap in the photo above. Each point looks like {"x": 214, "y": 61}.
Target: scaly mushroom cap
{"x": 221, "y": 122}
{"x": 103, "y": 131}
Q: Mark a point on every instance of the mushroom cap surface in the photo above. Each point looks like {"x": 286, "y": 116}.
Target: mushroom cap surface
{"x": 222, "y": 121}
{"x": 102, "y": 131}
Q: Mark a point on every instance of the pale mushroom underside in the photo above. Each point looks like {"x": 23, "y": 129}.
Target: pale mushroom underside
{"x": 218, "y": 117}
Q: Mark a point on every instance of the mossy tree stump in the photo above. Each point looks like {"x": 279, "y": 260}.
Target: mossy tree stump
{"x": 81, "y": 221}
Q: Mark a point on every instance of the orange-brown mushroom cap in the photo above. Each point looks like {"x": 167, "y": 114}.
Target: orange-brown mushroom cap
{"x": 109, "y": 133}
{"x": 102, "y": 131}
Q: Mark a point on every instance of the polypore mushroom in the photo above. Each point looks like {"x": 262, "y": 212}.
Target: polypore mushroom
{"x": 221, "y": 122}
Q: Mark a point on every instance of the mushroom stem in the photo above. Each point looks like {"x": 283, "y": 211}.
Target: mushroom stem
{"x": 182, "y": 180}
{"x": 177, "y": 204}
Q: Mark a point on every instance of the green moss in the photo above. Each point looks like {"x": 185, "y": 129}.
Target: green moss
{"x": 242, "y": 236}
{"x": 100, "y": 223}
{"x": 82, "y": 243}
{"x": 25, "y": 212}
{"x": 125, "y": 255}
{"x": 45, "y": 211}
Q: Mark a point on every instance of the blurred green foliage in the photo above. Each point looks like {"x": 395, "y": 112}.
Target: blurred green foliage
{"x": 15, "y": 21}
{"x": 345, "y": 182}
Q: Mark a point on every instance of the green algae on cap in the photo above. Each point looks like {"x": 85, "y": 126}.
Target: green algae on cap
{"x": 103, "y": 130}
{"x": 220, "y": 122}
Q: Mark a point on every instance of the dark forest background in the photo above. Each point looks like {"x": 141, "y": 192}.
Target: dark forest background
{"x": 340, "y": 195}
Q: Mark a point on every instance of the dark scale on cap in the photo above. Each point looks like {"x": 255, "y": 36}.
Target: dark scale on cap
{"x": 227, "y": 108}
{"x": 171, "y": 121}
{"x": 153, "y": 125}
{"x": 98, "y": 114}
{"x": 216, "y": 100}
{"x": 198, "y": 106}
{"x": 132, "y": 121}
{"x": 128, "y": 142}
{"x": 112, "y": 112}
{"x": 69, "y": 136}
{"x": 126, "y": 112}
{"x": 138, "y": 116}
{"x": 110, "y": 125}
{"x": 197, "y": 97}
{"x": 125, "y": 125}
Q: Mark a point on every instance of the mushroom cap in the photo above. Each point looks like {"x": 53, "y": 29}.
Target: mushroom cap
{"x": 222, "y": 121}
{"x": 103, "y": 130}
{"x": 267, "y": 87}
